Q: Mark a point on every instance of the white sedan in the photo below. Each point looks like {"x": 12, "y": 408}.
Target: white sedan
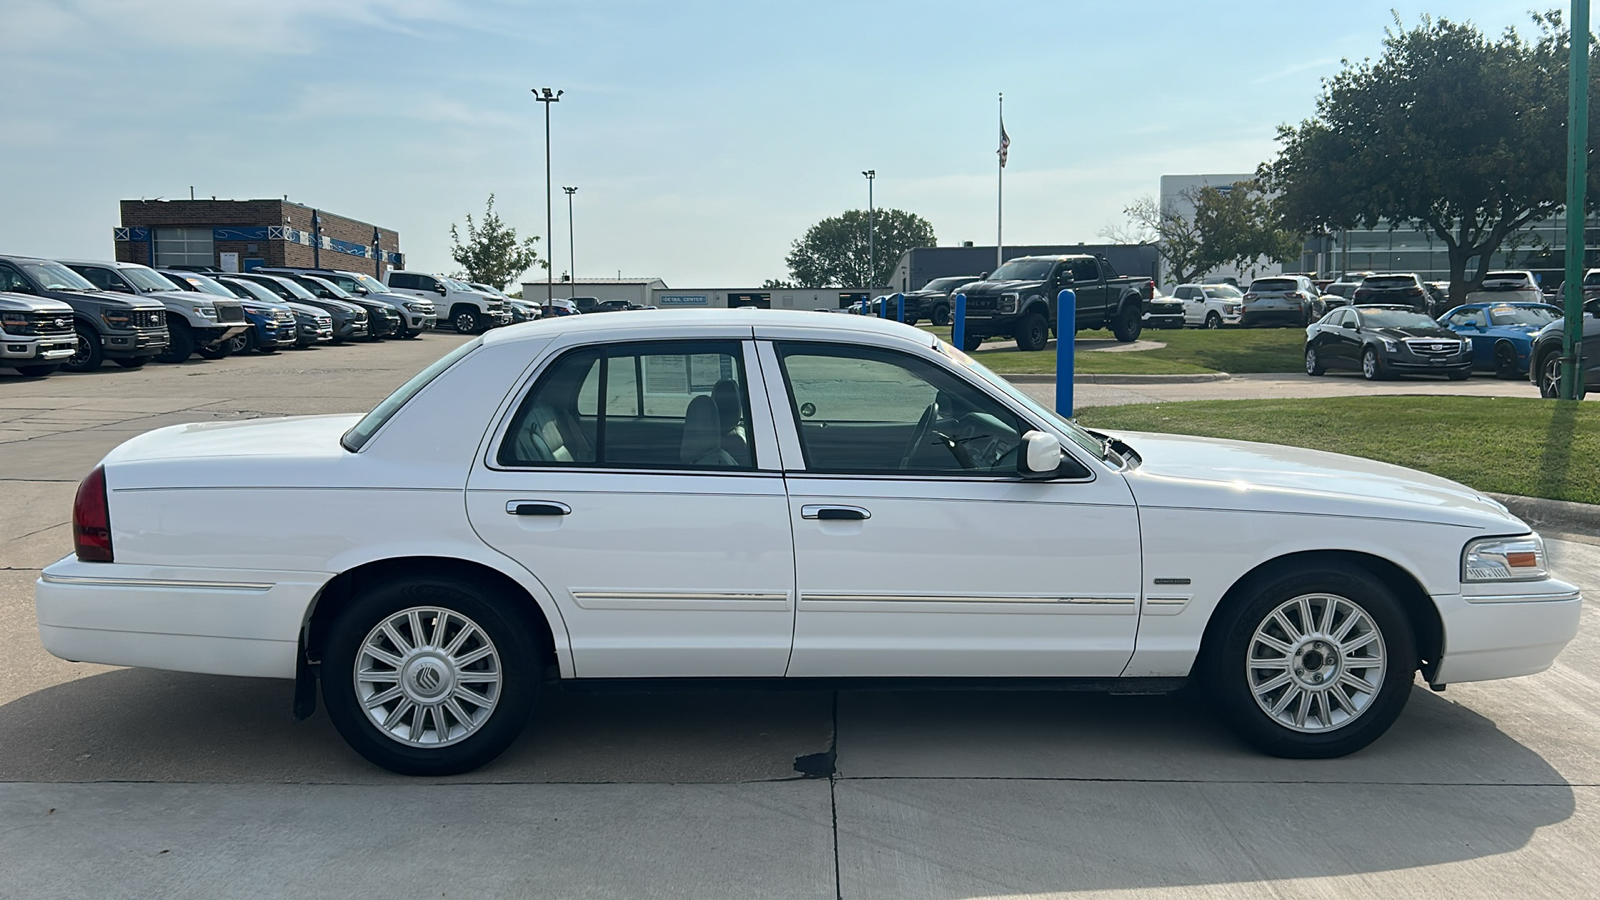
{"x": 756, "y": 494}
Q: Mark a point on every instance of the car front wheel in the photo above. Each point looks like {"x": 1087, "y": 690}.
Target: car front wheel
{"x": 1213, "y": 321}
{"x": 1371, "y": 365}
{"x": 429, "y": 676}
{"x": 1314, "y": 365}
{"x": 1034, "y": 332}
{"x": 1550, "y": 376}
{"x": 1314, "y": 664}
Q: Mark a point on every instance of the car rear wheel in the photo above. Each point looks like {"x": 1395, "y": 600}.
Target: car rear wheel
{"x": 1505, "y": 361}
{"x": 429, "y": 676}
{"x": 1213, "y": 321}
{"x": 1371, "y": 365}
{"x": 1128, "y": 324}
{"x": 1312, "y": 664}
{"x": 88, "y": 354}
{"x": 1314, "y": 365}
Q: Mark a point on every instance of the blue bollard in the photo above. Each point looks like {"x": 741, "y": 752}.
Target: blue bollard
{"x": 1066, "y": 344}
{"x": 958, "y": 322}
{"x": 883, "y": 307}
{"x": 900, "y": 303}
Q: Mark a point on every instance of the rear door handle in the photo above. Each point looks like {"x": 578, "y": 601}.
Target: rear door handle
{"x": 537, "y": 508}
{"x": 833, "y": 513}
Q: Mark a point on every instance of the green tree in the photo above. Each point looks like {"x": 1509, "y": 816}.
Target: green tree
{"x": 833, "y": 252}
{"x": 492, "y": 254}
{"x": 1239, "y": 226}
{"x": 1176, "y": 238}
{"x": 1450, "y": 131}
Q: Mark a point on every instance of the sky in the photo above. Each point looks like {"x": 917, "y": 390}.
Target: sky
{"x": 703, "y": 137}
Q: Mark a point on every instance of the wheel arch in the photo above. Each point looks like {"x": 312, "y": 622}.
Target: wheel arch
{"x": 345, "y": 586}
{"x": 1426, "y": 623}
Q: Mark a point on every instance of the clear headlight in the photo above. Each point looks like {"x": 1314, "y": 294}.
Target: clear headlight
{"x": 1389, "y": 344}
{"x": 209, "y": 312}
{"x": 1007, "y": 304}
{"x": 1504, "y": 559}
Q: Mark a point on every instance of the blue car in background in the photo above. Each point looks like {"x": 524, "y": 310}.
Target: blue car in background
{"x": 1501, "y": 333}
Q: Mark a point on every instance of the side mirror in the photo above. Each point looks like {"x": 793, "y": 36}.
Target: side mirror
{"x": 1349, "y": 325}
{"x": 120, "y": 288}
{"x": 982, "y": 275}
{"x": 439, "y": 289}
{"x": 1040, "y": 456}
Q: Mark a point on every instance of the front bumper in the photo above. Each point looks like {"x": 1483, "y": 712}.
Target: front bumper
{"x": 215, "y": 621}
{"x": 1163, "y": 319}
{"x": 210, "y": 337}
{"x": 43, "y": 349}
{"x": 134, "y": 344}
{"x": 1505, "y": 630}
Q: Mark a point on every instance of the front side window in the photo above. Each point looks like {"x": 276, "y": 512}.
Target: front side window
{"x": 668, "y": 405}
{"x": 864, "y": 410}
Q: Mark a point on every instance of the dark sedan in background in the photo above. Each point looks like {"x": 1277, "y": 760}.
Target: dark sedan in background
{"x": 1381, "y": 341}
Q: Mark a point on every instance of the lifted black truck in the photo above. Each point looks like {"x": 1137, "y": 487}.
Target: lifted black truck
{"x": 1019, "y": 299}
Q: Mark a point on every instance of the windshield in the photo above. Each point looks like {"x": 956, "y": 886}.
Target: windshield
{"x": 147, "y": 280}
{"x": 56, "y": 277}
{"x": 357, "y": 437}
{"x": 1071, "y": 429}
{"x": 337, "y": 292}
{"x": 203, "y": 284}
{"x": 1274, "y": 284}
{"x": 1522, "y": 315}
{"x": 250, "y": 290}
{"x": 945, "y": 284}
{"x": 1223, "y": 292}
{"x": 1396, "y": 318}
{"x": 458, "y": 285}
{"x": 286, "y": 289}
{"x": 487, "y": 290}
{"x": 1023, "y": 270}
{"x": 371, "y": 284}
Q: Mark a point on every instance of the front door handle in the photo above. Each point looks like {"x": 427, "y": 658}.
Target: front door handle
{"x": 833, "y": 513}
{"x": 537, "y": 508}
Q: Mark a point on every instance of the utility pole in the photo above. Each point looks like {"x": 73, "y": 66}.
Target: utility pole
{"x": 872, "y": 226}
{"x": 548, "y": 97}
{"x": 572, "y": 254}
{"x": 1572, "y": 374}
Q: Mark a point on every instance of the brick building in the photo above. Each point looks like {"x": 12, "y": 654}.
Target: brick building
{"x": 246, "y": 234}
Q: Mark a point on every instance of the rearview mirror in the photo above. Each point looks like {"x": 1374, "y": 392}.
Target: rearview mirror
{"x": 1040, "y": 456}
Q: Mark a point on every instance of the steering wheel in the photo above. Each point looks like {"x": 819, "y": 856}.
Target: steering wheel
{"x": 924, "y": 428}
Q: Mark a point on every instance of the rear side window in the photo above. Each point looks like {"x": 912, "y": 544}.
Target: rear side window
{"x": 357, "y": 437}
{"x": 403, "y": 280}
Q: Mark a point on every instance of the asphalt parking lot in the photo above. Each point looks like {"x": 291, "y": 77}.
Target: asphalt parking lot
{"x": 137, "y": 783}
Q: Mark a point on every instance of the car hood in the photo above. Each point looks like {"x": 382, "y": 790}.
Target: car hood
{"x": 1000, "y": 287}
{"x": 1209, "y": 473}
{"x": 111, "y": 297}
{"x": 1419, "y": 331}
{"x": 27, "y": 303}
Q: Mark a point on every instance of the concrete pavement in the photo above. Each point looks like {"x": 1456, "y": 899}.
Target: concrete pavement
{"x": 135, "y": 783}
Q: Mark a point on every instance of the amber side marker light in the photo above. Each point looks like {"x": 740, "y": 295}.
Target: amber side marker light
{"x": 91, "y": 519}
{"x": 1522, "y": 559}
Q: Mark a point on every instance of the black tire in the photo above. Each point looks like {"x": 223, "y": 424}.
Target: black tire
{"x": 37, "y": 371}
{"x": 1505, "y": 361}
{"x": 1213, "y": 321}
{"x": 1128, "y": 324}
{"x": 1033, "y": 332}
{"x": 132, "y": 362}
{"x": 971, "y": 342}
{"x": 180, "y": 342}
{"x": 1314, "y": 364}
{"x": 1372, "y": 368}
{"x": 89, "y": 353}
{"x": 941, "y": 315}
{"x": 464, "y": 319}
{"x": 1460, "y": 375}
{"x": 1550, "y": 374}
{"x": 505, "y": 710}
{"x": 219, "y": 350}
{"x": 411, "y": 334}
{"x": 243, "y": 343}
{"x": 1317, "y": 664}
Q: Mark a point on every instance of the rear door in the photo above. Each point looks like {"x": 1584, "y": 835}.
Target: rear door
{"x": 1090, "y": 289}
{"x": 639, "y": 482}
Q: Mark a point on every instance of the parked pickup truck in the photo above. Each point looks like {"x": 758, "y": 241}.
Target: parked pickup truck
{"x": 129, "y": 330}
{"x": 1019, "y": 299}
{"x": 195, "y": 321}
{"x": 36, "y": 334}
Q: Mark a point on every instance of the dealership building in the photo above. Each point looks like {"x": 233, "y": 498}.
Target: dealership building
{"x": 240, "y": 235}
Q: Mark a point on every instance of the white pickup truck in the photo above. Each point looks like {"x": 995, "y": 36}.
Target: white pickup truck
{"x": 1210, "y": 305}
{"x": 36, "y": 334}
{"x": 467, "y": 310}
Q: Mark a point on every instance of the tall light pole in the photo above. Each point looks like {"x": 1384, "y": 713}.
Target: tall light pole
{"x": 572, "y": 255}
{"x": 871, "y": 226}
{"x": 548, "y": 97}
{"x": 1572, "y": 374}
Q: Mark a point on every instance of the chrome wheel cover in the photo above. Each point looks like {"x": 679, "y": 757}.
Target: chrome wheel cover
{"x": 1552, "y": 375}
{"x": 1316, "y": 663}
{"x": 466, "y": 322}
{"x": 1311, "y": 361}
{"x": 428, "y": 677}
{"x": 1369, "y": 364}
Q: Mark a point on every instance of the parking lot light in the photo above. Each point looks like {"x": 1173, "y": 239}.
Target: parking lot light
{"x": 547, "y": 97}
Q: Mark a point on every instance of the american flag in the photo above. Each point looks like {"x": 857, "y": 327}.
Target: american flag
{"x": 1005, "y": 143}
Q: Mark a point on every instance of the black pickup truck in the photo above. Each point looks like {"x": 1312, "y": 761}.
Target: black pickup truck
{"x": 1019, "y": 299}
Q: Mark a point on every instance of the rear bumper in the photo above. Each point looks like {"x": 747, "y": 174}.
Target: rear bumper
{"x": 1519, "y": 630}
{"x": 214, "y": 621}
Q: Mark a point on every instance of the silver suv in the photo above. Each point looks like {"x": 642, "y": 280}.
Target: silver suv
{"x": 1290, "y": 299}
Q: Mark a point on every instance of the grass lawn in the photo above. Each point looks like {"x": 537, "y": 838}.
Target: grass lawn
{"x": 1187, "y": 351}
{"x": 1509, "y": 445}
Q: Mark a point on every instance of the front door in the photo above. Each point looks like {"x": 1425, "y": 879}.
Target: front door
{"x": 918, "y": 549}
{"x": 629, "y": 482}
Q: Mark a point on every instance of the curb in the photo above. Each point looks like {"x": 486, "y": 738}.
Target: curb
{"x": 1554, "y": 515}
{"x": 1088, "y": 378}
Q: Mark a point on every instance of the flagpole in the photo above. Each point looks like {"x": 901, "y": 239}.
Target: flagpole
{"x": 1000, "y": 193}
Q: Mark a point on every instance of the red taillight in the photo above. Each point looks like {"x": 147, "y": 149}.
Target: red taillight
{"x": 1149, "y": 290}
{"x": 91, "y": 519}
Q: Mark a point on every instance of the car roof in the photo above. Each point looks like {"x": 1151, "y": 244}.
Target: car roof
{"x": 689, "y": 319}
{"x": 114, "y": 263}
{"x": 1399, "y": 306}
